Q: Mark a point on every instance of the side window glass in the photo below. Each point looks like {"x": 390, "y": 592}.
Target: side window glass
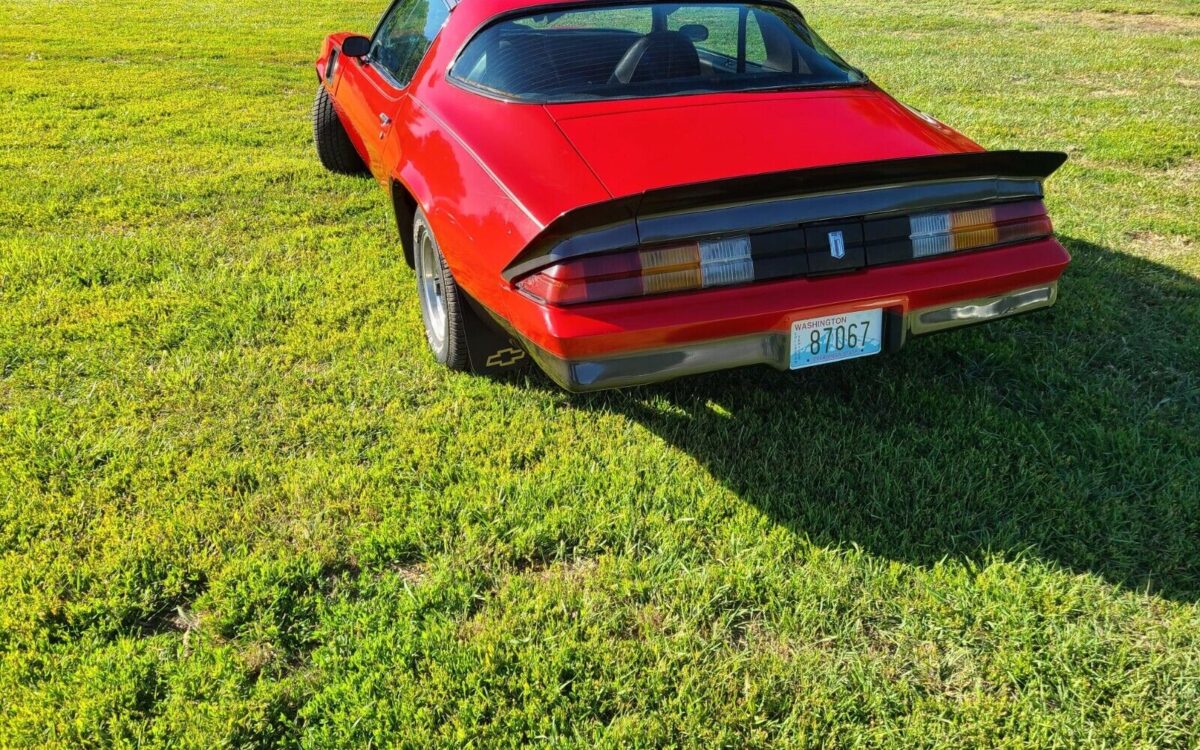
{"x": 405, "y": 35}
{"x": 756, "y": 48}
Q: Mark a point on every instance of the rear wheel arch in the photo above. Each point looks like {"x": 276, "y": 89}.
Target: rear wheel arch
{"x": 405, "y": 206}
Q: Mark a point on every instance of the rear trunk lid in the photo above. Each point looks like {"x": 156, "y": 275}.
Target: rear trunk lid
{"x": 641, "y": 145}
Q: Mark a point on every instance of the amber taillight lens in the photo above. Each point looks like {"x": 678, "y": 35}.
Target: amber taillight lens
{"x": 975, "y": 228}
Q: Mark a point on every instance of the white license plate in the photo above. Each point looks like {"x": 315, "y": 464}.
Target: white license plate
{"x": 819, "y": 341}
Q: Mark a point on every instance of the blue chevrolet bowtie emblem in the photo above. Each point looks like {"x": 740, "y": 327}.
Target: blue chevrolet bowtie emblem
{"x": 837, "y": 245}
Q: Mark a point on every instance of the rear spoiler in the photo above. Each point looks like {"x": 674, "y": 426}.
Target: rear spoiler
{"x": 783, "y": 199}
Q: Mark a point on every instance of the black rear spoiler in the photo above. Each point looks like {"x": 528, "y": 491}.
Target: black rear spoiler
{"x": 781, "y": 199}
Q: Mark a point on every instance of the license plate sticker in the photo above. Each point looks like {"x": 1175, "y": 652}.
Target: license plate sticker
{"x": 819, "y": 341}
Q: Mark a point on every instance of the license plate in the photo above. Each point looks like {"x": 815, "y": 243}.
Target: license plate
{"x": 819, "y": 341}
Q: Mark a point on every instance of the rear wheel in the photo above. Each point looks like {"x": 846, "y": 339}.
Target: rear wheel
{"x": 334, "y": 148}
{"x": 441, "y": 304}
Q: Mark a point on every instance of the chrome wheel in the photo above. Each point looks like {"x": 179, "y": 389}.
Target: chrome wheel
{"x": 432, "y": 291}
{"x": 441, "y": 307}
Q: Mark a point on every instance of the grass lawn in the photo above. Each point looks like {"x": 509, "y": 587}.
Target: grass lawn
{"x": 241, "y": 507}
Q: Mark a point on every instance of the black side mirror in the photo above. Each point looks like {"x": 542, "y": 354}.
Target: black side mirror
{"x": 356, "y": 46}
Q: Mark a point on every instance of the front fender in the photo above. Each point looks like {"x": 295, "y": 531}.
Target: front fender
{"x": 331, "y": 44}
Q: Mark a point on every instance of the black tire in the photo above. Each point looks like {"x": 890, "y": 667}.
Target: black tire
{"x": 334, "y": 148}
{"x": 445, "y": 330}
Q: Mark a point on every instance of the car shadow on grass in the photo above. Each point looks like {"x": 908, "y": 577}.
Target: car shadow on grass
{"x": 1071, "y": 436}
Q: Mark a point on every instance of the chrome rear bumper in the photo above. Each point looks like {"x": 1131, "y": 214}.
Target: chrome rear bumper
{"x": 771, "y": 348}
{"x": 959, "y": 314}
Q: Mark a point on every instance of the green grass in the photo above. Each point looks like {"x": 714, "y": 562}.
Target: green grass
{"x": 240, "y": 506}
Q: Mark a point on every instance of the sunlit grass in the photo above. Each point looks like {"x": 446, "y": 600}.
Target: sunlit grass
{"x": 240, "y": 506}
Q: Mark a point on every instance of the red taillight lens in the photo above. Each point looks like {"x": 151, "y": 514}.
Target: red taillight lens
{"x": 574, "y": 281}
{"x": 975, "y": 228}
{"x": 654, "y": 271}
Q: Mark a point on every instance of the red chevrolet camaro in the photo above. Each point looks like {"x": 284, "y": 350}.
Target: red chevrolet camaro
{"x": 629, "y": 192}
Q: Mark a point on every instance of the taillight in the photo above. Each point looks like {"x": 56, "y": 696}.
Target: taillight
{"x": 822, "y": 248}
{"x": 673, "y": 268}
{"x": 975, "y": 228}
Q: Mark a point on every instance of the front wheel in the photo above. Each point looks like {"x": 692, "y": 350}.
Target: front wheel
{"x": 334, "y": 149}
{"x": 441, "y": 304}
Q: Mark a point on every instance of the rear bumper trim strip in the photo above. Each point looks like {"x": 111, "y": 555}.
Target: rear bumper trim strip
{"x": 977, "y": 311}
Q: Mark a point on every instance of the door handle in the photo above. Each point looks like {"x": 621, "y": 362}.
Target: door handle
{"x": 385, "y": 122}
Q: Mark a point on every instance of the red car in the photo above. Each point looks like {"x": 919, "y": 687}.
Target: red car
{"x": 629, "y": 192}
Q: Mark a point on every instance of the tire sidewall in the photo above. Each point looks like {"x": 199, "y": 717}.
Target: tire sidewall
{"x": 334, "y": 148}
{"x": 437, "y": 345}
{"x": 450, "y": 348}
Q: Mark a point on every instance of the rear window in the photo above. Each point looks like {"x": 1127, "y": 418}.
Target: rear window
{"x": 630, "y": 51}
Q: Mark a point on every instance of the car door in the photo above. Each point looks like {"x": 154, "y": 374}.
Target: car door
{"x": 374, "y": 89}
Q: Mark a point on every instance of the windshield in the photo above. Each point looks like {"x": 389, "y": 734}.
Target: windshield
{"x": 630, "y": 51}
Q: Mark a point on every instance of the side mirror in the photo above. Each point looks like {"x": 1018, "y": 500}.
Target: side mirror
{"x": 356, "y": 46}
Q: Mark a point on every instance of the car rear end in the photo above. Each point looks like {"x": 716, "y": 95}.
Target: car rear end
{"x": 789, "y": 270}
{"x": 767, "y": 204}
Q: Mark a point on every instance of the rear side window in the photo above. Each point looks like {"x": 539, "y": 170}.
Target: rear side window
{"x": 631, "y": 51}
{"x": 716, "y": 31}
{"x": 404, "y": 37}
